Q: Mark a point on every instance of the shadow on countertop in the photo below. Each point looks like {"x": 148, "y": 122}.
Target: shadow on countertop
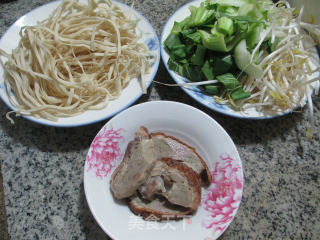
{"x": 45, "y": 138}
{"x": 7, "y": 1}
{"x": 89, "y": 225}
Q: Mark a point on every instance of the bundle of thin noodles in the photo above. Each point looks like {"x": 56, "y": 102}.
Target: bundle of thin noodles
{"x": 78, "y": 59}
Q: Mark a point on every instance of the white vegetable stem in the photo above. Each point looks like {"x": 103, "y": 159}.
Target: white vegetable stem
{"x": 290, "y": 69}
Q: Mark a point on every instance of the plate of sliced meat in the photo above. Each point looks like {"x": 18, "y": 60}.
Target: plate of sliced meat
{"x": 160, "y": 170}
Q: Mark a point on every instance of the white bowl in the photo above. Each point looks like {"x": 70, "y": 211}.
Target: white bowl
{"x": 220, "y": 201}
{"x": 130, "y": 94}
{"x": 195, "y": 92}
{"x": 311, "y": 9}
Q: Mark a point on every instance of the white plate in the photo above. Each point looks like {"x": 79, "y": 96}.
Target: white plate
{"x": 130, "y": 94}
{"x": 194, "y": 91}
{"x": 220, "y": 201}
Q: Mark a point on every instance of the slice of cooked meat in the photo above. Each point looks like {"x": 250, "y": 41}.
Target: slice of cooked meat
{"x": 185, "y": 190}
{"x": 141, "y": 133}
{"x": 135, "y": 168}
{"x": 158, "y": 209}
{"x": 152, "y": 186}
{"x": 175, "y": 181}
{"x": 156, "y": 181}
{"x": 171, "y": 147}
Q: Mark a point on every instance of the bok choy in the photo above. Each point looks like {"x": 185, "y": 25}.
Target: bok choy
{"x": 201, "y": 47}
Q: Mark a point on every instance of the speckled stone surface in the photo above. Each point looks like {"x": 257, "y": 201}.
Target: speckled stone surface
{"x": 3, "y": 215}
{"x": 42, "y": 167}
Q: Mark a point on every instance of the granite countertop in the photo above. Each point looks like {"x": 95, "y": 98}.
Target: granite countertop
{"x": 42, "y": 166}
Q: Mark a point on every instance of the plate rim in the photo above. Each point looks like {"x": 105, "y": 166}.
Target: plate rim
{"x": 141, "y": 105}
{"x": 226, "y": 113}
{"x": 132, "y": 101}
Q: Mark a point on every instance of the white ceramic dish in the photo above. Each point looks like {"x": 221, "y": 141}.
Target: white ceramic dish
{"x": 311, "y": 7}
{"x": 220, "y": 201}
{"x": 11, "y": 38}
{"x": 194, "y": 91}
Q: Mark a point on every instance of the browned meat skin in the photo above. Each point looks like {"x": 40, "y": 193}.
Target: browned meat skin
{"x": 186, "y": 185}
{"x": 183, "y": 197}
{"x": 141, "y": 133}
{"x": 157, "y": 210}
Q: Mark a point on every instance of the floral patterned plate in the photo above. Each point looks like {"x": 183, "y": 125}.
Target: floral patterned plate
{"x": 129, "y": 95}
{"x": 220, "y": 201}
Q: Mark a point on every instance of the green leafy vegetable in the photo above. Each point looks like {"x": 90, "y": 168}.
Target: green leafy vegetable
{"x": 198, "y": 57}
{"x": 207, "y": 70}
{"x": 172, "y": 40}
{"x": 252, "y": 37}
{"x": 271, "y": 46}
{"x": 238, "y": 94}
{"x": 193, "y": 73}
{"x": 195, "y": 37}
{"x": 233, "y": 86}
{"x": 225, "y": 25}
{"x": 200, "y": 15}
{"x": 223, "y": 65}
{"x": 235, "y": 3}
{"x": 229, "y": 81}
{"x": 216, "y": 41}
{"x": 212, "y": 89}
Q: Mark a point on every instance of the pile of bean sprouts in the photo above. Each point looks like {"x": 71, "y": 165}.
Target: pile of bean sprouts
{"x": 290, "y": 69}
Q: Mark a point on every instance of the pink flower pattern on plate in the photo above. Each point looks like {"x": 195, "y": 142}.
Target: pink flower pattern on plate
{"x": 223, "y": 197}
{"x": 105, "y": 151}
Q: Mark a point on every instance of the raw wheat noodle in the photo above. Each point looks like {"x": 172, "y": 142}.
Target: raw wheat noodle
{"x": 78, "y": 59}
